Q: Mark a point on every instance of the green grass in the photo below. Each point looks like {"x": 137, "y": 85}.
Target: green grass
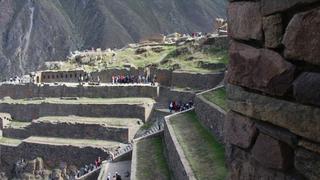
{"x": 121, "y": 122}
{"x": 10, "y": 141}
{"x": 80, "y": 101}
{"x": 151, "y": 163}
{"x": 73, "y": 142}
{"x": 217, "y": 97}
{"x": 204, "y": 153}
{"x": 18, "y": 124}
{"x": 166, "y": 59}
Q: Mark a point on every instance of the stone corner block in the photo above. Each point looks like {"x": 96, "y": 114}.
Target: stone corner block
{"x": 239, "y": 130}
{"x": 272, "y": 153}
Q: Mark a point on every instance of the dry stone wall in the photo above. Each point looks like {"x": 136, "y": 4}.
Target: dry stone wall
{"x": 79, "y": 131}
{"x": 52, "y": 155}
{"x": 272, "y": 130}
{"x": 211, "y": 117}
{"x": 28, "y": 112}
{"x": 196, "y": 80}
{"x": 32, "y": 90}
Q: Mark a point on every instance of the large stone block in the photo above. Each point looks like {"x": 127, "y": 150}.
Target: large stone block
{"x": 239, "y": 130}
{"x": 278, "y": 133}
{"x": 272, "y": 153}
{"x": 273, "y": 30}
{"x": 259, "y": 69}
{"x": 273, "y": 6}
{"x": 306, "y": 88}
{"x": 308, "y": 163}
{"x": 300, "y": 119}
{"x": 245, "y": 21}
{"x": 302, "y": 37}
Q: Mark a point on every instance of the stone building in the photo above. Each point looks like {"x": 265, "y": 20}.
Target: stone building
{"x": 59, "y": 76}
{"x": 273, "y": 128}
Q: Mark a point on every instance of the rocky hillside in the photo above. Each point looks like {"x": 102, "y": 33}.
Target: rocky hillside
{"x": 35, "y": 31}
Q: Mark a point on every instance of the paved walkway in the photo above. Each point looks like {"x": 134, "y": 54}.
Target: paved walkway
{"x": 123, "y": 168}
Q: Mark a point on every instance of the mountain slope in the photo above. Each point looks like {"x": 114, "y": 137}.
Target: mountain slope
{"x": 35, "y": 31}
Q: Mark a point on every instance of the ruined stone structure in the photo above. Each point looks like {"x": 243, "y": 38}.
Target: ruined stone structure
{"x": 59, "y": 76}
{"x": 272, "y": 130}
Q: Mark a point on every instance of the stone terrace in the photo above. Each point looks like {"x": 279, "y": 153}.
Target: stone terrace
{"x": 28, "y": 109}
{"x": 149, "y": 160}
{"x": 189, "y": 156}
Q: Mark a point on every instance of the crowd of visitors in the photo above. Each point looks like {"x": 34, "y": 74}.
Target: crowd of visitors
{"x": 89, "y": 168}
{"x": 130, "y": 79}
{"x": 177, "y": 107}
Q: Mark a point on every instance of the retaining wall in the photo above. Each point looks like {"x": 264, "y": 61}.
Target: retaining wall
{"x": 32, "y": 90}
{"x": 273, "y": 130}
{"x": 211, "y": 117}
{"x": 178, "y": 163}
{"x": 196, "y": 80}
{"x": 79, "y": 131}
{"x": 51, "y": 154}
{"x": 167, "y": 95}
{"x": 28, "y": 112}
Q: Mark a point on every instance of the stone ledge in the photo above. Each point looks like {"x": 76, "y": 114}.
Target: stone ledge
{"x": 289, "y": 115}
{"x": 211, "y": 116}
{"x": 177, "y": 161}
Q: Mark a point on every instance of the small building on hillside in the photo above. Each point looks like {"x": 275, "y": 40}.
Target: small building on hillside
{"x": 51, "y": 76}
{"x": 159, "y": 38}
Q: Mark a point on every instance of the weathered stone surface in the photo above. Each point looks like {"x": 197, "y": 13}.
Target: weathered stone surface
{"x": 243, "y": 167}
{"x": 301, "y": 39}
{"x": 310, "y": 145}
{"x": 196, "y": 80}
{"x": 306, "y": 88}
{"x": 278, "y": 133}
{"x": 308, "y": 163}
{"x": 272, "y": 153}
{"x": 239, "y": 130}
{"x": 273, "y": 30}
{"x": 259, "y": 69}
{"x": 300, "y": 119}
{"x": 273, "y": 6}
{"x": 245, "y": 21}
{"x": 210, "y": 116}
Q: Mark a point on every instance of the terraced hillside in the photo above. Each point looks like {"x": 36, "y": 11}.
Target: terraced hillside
{"x": 35, "y": 31}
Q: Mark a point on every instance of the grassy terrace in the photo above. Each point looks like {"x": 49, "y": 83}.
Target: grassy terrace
{"x": 10, "y": 141}
{"x": 169, "y": 57}
{"x": 121, "y": 122}
{"x": 217, "y": 97}
{"x": 79, "y": 101}
{"x": 151, "y": 163}
{"x": 204, "y": 153}
{"x": 18, "y": 124}
{"x": 71, "y": 142}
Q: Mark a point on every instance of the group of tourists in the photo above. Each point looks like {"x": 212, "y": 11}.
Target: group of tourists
{"x": 131, "y": 79}
{"x": 89, "y": 168}
{"x": 116, "y": 176}
{"x": 177, "y": 107}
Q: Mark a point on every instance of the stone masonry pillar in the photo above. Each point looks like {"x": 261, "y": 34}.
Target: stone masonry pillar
{"x": 273, "y": 128}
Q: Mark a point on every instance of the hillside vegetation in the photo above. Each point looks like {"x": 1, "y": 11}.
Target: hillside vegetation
{"x": 36, "y": 31}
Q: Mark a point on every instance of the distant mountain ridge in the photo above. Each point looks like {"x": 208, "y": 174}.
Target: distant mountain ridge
{"x": 35, "y": 31}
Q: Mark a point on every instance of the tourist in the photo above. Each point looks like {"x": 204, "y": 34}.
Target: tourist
{"x": 113, "y": 79}
{"x": 118, "y": 177}
{"x": 171, "y": 107}
{"x": 108, "y": 178}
